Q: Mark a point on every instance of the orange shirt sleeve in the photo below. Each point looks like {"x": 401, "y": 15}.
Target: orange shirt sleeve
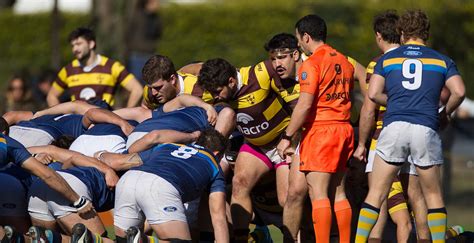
{"x": 308, "y": 77}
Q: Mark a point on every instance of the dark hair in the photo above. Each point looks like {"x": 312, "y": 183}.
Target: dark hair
{"x": 314, "y": 26}
{"x": 213, "y": 140}
{"x": 282, "y": 41}
{"x": 47, "y": 75}
{"x": 158, "y": 67}
{"x": 4, "y": 127}
{"x": 386, "y": 24}
{"x": 83, "y": 32}
{"x": 215, "y": 73}
{"x": 414, "y": 24}
{"x": 63, "y": 141}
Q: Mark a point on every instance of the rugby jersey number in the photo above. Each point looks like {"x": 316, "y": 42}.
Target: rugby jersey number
{"x": 416, "y": 74}
{"x": 184, "y": 152}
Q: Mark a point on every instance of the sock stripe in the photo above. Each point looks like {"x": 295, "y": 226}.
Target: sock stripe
{"x": 437, "y": 210}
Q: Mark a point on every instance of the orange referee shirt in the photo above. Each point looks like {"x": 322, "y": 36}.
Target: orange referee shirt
{"x": 328, "y": 75}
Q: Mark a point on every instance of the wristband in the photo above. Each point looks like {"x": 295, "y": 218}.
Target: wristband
{"x": 285, "y": 136}
{"x": 80, "y": 203}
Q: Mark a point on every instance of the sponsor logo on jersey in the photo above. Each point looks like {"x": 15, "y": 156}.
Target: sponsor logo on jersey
{"x": 304, "y": 75}
{"x": 413, "y": 53}
{"x": 87, "y": 93}
{"x": 245, "y": 119}
{"x": 170, "y": 209}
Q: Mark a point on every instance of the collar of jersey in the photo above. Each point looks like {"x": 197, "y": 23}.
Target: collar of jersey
{"x": 414, "y": 43}
{"x": 98, "y": 61}
{"x": 239, "y": 82}
{"x": 321, "y": 47}
{"x": 181, "y": 85}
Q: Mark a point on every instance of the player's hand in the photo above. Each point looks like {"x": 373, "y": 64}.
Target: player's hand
{"x": 444, "y": 118}
{"x": 195, "y": 135}
{"x": 111, "y": 178}
{"x": 37, "y": 114}
{"x": 360, "y": 153}
{"x": 211, "y": 115}
{"x": 127, "y": 128}
{"x": 44, "y": 158}
{"x": 282, "y": 148}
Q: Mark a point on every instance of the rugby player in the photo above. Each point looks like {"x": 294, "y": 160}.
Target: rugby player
{"x": 411, "y": 120}
{"x": 13, "y": 151}
{"x": 387, "y": 39}
{"x": 92, "y": 75}
{"x": 262, "y": 98}
{"x": 183, "y": 173}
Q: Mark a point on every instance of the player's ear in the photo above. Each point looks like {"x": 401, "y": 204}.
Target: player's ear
{"x": 173, "y": 79}
{"x": 91, "y": 44}
{"x": 296, "y": 55}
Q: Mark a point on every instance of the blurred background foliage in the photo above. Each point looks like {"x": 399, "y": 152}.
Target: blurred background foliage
{"x": 235, "y": 30}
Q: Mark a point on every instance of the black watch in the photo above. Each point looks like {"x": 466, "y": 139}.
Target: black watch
{"x": 285, "y": 136}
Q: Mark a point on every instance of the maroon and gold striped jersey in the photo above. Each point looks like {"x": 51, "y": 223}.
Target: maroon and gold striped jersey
{"x": 100, "y": 81}
{"x": 263, "y": 103}
{"x": 379, "y": 114}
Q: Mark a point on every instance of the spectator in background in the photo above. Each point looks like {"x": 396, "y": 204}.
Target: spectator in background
{"x": 92, "y": 75}
{"x": 42, "y": 87}
{"x": 143, "y": 32}
{"x": 18, "y": 95}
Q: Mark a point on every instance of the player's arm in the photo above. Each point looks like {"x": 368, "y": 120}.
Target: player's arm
{"x": 72, "y": 158}
{"x": 50, "y": 177}
{"x": 138, "y": 114}
{"x": 136, "y": 92}
{"x": 226, "y": 122}
{"x": 162, "y": 136}
{"x": 72, "y": 107}
{"x": 192, "y": 68}
{"x": 13, "y": 117}
{"x": 186, "y": 100}
{"x": 57, "y": 88}
{"x": 217, "y": 209}
{"x": 455, "y": 85}
{"x": 99, "y": 115}
{"x": 360, "y": 75}
{"x": 376, "y": 89}
{"x": 366, "y": 126}
{"x": 119, "y": 162}
{"x": 53, "y": 97}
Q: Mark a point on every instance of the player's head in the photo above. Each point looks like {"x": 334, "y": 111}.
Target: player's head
{"x": 283, "y": 51}
{"x": 63, "y": 141}
{"x": 213, "y": 140}
{"x": 414, "y": 24}
{"x": 310, "y": 28}
{"x": 160, "y": 76}
{"x": 385, "y": 27}
{"x": 4, "y": 127}
{"x": 83, "y": 42}
{"x": 218, "y": 77}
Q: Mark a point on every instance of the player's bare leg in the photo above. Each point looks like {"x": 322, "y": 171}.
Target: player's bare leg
{"x": 379, "y": 187}
{"x": 172, "y": 230}
{"x": 293, "y": 210}
{"x": 417, "y": 202}
{"x": 91, "y": 221}
{"x": 248, "y": 170}
{"x": 430, "y": 181}
{"x": 282, "y": 174}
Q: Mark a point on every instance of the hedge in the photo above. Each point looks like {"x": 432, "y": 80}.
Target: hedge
{"x": 237, "y": 30}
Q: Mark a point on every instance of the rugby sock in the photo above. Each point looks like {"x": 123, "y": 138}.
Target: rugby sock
{"x": 241, "y": 235}
{"x": 343, "y": 212}
{"x": 322, "y": 219}
{"x": 367, "y": 218}
{"x": 437, "y": 220}
{"x": 151, "y": 239}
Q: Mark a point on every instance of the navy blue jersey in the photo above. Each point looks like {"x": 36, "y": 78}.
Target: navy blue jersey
{"x": 414, "y": 76}
{"x": 3, "y": 150}
{"x": 190, "y": 169}
{"x": 102, "y": 196}
{"x": 187, "y": 119}
{"x": 16, "y": 152}
{"x": 19, "y": 173}
{"x": 57, "y": 125}
{"x": 102, "y": 129}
